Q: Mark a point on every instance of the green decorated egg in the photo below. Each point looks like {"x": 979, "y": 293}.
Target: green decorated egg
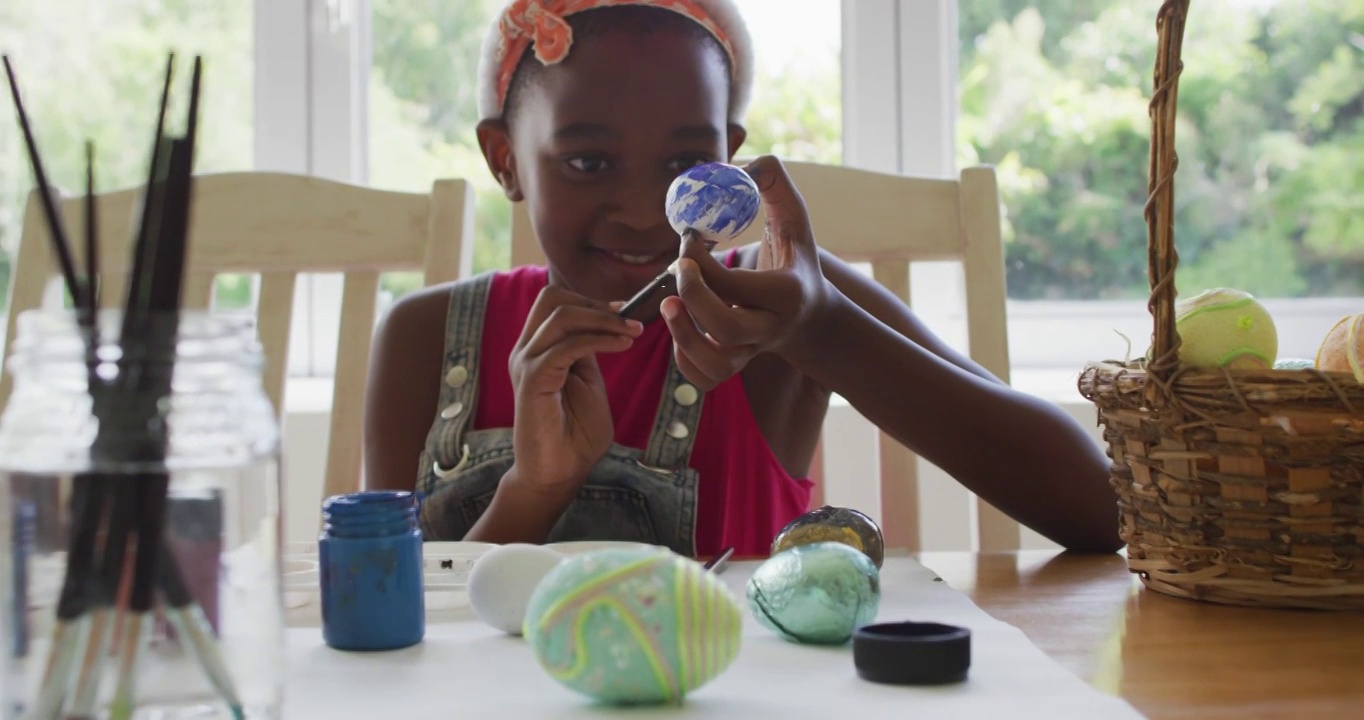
{"x": 834, "y": 524}
{"x": 633, "y": 626}
{"x": 817, "y": 593}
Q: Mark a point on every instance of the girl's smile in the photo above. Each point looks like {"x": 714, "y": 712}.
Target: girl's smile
{"x": 632, "y": 266}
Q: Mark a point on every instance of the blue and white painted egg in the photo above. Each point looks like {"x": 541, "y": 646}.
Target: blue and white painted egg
{"x": 717, "y": 200}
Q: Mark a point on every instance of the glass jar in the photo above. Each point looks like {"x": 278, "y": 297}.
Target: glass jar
{"x": 210, "y": 643}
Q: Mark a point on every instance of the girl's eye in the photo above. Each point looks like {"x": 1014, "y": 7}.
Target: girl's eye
{"x": 680, "y": 165}
{"x": 589, "y": 164}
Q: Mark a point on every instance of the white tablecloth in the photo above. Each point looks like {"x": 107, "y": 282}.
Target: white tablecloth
{"x": 466, "y": 670}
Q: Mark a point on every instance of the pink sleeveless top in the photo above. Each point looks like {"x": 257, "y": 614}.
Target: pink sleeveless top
{"x": 744, "y": 496}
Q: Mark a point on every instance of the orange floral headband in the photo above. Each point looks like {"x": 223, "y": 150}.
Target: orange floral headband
{"x": 541, "y": 23}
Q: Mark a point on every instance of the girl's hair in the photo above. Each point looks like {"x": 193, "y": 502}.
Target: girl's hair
{"x": 531, "y": 33}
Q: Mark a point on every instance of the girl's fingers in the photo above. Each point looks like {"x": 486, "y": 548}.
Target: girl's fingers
{"x": 699, "y": 357}
{"x": 694, "y": 375}
{"x": 568, "y": 320}
{"x": 552, "y": 366}
{"x": 738, "y": 286}
{"x": 788, "y": 219}
{"x": 729, "y": 325}
{"x": 548, "y": 302}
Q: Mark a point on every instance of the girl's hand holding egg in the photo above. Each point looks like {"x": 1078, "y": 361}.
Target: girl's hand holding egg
{"x": 745, "y": 313}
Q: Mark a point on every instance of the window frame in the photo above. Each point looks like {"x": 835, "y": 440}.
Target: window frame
{"x": 312, "y": 60}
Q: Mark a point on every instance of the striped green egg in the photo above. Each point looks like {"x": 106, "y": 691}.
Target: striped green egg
{"x": 633, "y": 626}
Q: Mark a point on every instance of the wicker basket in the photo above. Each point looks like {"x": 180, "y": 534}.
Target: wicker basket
{"x": 1234, "y": 486}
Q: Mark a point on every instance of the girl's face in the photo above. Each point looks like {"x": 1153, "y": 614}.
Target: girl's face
{"x": 594, "y": 142}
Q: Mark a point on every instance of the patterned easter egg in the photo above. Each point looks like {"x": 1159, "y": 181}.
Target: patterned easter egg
{"x": 834, "y": 524}
{"x": 817, "y": 593}
{"x": 717, "y": 200}
{"x": 633, "y": 626}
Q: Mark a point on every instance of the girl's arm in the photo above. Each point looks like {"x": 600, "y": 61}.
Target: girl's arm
{"x": 403, "y": 388}
{"x": 1021, "y": 454}
{"x": 839, "y": 328}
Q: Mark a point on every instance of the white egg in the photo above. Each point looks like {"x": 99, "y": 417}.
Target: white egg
{"x": 502, "y": 581}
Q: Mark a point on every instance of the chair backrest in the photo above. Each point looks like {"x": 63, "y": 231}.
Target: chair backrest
{"x": 891, "y": 221}
{"x": 277, "y": 225}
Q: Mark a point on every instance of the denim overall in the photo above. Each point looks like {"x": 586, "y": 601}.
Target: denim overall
{"x": 637, "y": 495}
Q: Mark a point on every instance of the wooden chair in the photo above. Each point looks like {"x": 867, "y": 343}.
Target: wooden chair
{"x": 278, "y": 225}
{"x": 891, "y": 221}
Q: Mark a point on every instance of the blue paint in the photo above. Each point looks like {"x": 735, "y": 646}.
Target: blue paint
{"x": 25, "y": 529}
{"x": 717, "y": 200}
{"x": 370, "y": 568}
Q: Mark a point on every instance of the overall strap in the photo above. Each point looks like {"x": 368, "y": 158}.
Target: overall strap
{"x": 674, "y": 432}
{"x": 679, "y": 413}
{"x": 445, "y": 450}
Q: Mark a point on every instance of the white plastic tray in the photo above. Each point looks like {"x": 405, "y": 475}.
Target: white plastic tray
{"x": 445, "y": 570}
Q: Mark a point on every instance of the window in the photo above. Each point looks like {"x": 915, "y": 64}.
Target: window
{"x": 422, "y": 111}
{"x": 1054, "y": 93}
{"x": 94, "y": 71}
{"x": 797, "y": 106}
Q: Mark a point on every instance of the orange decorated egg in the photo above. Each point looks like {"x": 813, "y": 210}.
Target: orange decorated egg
{"x": 1340, "y": 351}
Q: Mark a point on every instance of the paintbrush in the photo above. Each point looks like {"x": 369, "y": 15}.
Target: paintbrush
{"x": 120, "y": 498}
{"x": 153, "y": 316}
{"x": 143, "y": 381}
{"x": 86, "y": 502}
{"x": 193, "y": 628}
{"x": 719, "y": 563}
{"x": 185, "y": 615}
{"x": 64, "y": 260}
{"x": 91, "y": 243}
{"x": 660, "y": 287}
{"x": 109, "y": 491}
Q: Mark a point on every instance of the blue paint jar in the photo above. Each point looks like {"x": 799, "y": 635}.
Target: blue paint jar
{"x": 370, "y": 568}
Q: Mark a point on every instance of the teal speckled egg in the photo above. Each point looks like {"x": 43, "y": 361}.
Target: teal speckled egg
{"x": 1293, "y": 364}
{"x": 633, "y": 626}
{"x": 817, "y": 593}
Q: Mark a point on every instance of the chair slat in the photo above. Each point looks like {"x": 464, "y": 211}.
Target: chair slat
{"x": 274, "y": 320}
{"x": 344, "y": 453}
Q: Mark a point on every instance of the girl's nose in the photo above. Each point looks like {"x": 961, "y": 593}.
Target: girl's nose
{"x": 640, "y": 205}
